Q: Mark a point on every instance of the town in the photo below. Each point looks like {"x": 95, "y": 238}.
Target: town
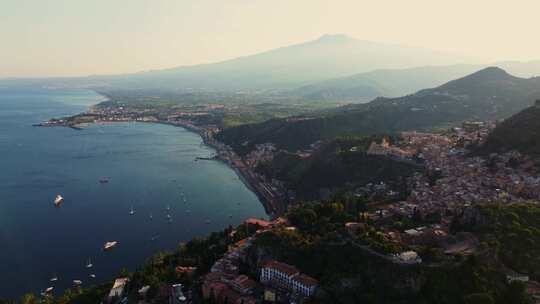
{"x": 453, "y": 181}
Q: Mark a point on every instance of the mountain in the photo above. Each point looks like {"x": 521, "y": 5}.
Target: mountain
{"x": 490, "y": 93}
{"x": 327, "y": 57}
{"x": 398, "y": 82}
{"x": 520, "y": 132}
{"x": 387, "y": 82}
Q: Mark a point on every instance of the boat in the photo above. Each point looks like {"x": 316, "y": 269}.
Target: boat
{"x": 230, "y": 215}
{"x": 54, "y": 278}
{"x": 89, "y": 264}
{"x": 58, "y": 200}
{"x": 131, "y": 212}
{"x": 168, "y": 208}
{"x": 103, "y": 180}
{"x": 109, "y": 245}
{"x": 49, "y": 290}
{"x": 151, "y": 217}
{"x": 77, "y": 282}
{"x": 155, "y": 237}
{"x": 93, "y": 276}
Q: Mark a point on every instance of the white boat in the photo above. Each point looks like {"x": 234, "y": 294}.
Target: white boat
{"x": 109, "y": 245}
{"x": 89, "y": 264}
{"x": 77, "y": 282}
{"x": 151, "y": 217}
{"x": 93, "y": 276}
{"x": 49, "y": 290}
{"x": 54, "y": 279}
{"x": 131, "y": 212}
{"x": 58, "y": 200}
{"x": 168, "y": 208}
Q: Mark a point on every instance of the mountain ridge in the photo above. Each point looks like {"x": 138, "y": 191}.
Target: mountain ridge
{"x": 488, "y": 94}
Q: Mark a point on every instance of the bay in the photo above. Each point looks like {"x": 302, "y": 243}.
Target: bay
{"x": 150, "y": 168}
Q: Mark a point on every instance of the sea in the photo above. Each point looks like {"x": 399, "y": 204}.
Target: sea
{"x": 150, "y": 168}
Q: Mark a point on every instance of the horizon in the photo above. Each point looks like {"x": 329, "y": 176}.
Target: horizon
{"x": 64, "y": 39}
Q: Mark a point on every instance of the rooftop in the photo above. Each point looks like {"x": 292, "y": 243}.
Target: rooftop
{"x": 282, "y": 267}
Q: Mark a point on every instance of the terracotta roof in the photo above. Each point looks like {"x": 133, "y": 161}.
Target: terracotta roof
{"x": 282, "y": 267}
{"x": 306, "y": 280}
{"x": 254, "y": 221}
{"x": 243, "y": 282}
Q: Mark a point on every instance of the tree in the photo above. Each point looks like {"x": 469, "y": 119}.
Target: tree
{"x": 479, "y": 298}
{"x": 29, "y": 298}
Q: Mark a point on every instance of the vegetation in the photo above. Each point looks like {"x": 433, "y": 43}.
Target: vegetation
{"x": 350, "y": 272}
{"x": 521, "y": 132}
{"x": 340, "y": 164}
{"x": 488, "y": 94}
{"x": 512, "y": 231}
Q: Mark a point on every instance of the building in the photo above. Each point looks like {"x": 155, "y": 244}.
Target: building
{"x": 118, "y": 288}
{"x": 243, "y": 284}
{"x": 408, "y": 257}
{"x": 278, "y": 273}
{"x": 285, "y": 276}
{"x": 304, "y": 285}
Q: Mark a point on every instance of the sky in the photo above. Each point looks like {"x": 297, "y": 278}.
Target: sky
{"x": 77, "y": 37}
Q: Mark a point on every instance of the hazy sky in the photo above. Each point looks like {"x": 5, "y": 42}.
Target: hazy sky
{"x": 80, "y": 37}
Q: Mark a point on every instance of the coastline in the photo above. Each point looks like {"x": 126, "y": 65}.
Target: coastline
{"x": 273, "y": 207}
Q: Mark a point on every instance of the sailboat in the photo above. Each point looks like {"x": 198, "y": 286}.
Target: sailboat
{"x": 131, "y": 212}
{"x": 89, "y": 263}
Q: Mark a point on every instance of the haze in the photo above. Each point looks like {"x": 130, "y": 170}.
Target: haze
{"x": 68, "y": 38}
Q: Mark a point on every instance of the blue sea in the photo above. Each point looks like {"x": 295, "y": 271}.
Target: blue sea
{"x": 150, "y": 167}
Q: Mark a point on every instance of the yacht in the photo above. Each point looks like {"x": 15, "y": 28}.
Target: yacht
{"x": 89, "y": 263}
{"x": 58, "y": 200}
{"x": 109, "y": 245}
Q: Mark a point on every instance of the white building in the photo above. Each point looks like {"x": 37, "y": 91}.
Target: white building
{"x": 118, "y": 288}
{"x": 288, "y": 277}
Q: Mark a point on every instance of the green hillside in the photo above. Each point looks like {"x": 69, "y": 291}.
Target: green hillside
{"x": 488, "y": 94}
{"x": 520, "y": 132}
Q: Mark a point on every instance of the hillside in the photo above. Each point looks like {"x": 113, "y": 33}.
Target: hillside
{"x": 335, "y": 166}
{"x": 520, "y": 132}
{"x": 487, "y": 94}
{"x": 388, "y": 83}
